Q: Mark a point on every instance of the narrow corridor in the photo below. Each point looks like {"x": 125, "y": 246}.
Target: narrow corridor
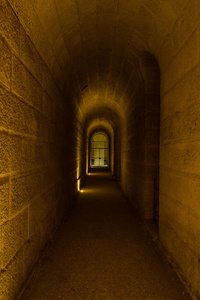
{"x": 102, "y": 251}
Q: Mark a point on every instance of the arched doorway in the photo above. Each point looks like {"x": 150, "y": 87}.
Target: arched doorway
{"x": 99, "y": 150}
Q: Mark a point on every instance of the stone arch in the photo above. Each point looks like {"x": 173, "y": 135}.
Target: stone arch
{"x": 106, "y": 156}
{"x": 107, "y": 127}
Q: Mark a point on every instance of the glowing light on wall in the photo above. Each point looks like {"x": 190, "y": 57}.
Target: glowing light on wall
{"x": 78, "y": 184}
{"x": 78, "y": 149}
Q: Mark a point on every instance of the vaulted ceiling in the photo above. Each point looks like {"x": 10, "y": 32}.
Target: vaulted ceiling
{"x": 93, "y": 47}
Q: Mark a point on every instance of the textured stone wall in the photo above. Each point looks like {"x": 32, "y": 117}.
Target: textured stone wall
{"x": 133, "y": 148}
{"x": 180, "y": 147}
{"x": 33, "y": 182}
{"x": 151, "y": 75}
{"x": 140, "y": 137}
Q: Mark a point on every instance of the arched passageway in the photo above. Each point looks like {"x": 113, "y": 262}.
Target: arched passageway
{"x": 128, "y": 68}
{"x": 99, "y": 150}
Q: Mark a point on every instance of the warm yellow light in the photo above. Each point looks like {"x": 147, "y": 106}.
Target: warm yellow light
{"x": 78, "y": 184}
{"x": 81, "y": 191}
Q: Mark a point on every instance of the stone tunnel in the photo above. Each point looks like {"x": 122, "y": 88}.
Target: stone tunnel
{"x": 128, "y": 69}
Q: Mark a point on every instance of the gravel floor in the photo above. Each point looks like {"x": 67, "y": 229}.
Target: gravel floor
{"x": 102, "y": 251}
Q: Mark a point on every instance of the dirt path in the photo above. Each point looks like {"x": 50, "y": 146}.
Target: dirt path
{"x": 103, "y": 252}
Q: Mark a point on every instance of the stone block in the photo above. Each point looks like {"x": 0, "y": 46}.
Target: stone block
{"x": 169, "y": 48}
{"x": 15, "y": 153}
{"x": 27, "y": 14}
{"x": 5, "y": 62}
{"x": 12, "y": 277}
{"x": 10, "y": 111}
{"x": 37, "y": 212}
{"x": 24, "y": 188}
{"x": 164, "y": 19}
{"x": 9, "y": 25}
{"x": 14, "y": 235}
{"x": 181, "y": 156}
{"x": 25, "y": 85}
{"x": 47, "y": 13}
{"x": 17, "y": 115}
{"x": 143, "y": 21}
{"x": 186, "y": 60}
{"x": 20, "y": 74}
{"x": 4, "y": 153}
{"x": 182, "y": 95}
{"x": 30, "y": 56}
{"x": 186, "y": 23}
{"x": 31, "y": 120}
{"x": 183, "y": 125}
{"x": 179, "y": 186}
{"x": 175, "y": 215}
{"x": 28, "y": 145}
{"x": 33, "y": 153}
{"x": 4, "y": 198}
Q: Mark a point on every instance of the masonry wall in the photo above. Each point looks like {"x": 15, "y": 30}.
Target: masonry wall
{"x": 140, "y": 139}
{"x": 133, "y": 147}
{"x": 151, "y": 75}
{"x": 34, "y": 192}
{"x": 179, "y": 148}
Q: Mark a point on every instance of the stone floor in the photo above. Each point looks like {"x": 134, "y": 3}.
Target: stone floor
{"x": 102, "y": 251}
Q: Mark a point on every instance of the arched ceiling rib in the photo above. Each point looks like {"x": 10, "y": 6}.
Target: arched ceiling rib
{"x": 100, "y": 125}
{"x": 103, "y": 114}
